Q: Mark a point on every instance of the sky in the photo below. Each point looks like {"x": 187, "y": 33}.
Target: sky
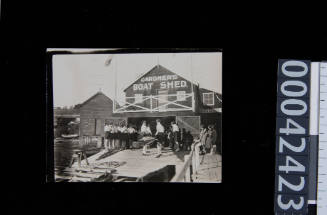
{"x": 78, "y": 77}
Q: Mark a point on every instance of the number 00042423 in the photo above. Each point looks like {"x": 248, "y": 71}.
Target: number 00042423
{"x": 291, "y": 141}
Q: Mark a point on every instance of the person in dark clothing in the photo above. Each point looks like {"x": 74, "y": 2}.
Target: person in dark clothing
{"x": 131, "y": 133}
{"x": 167, "y": 144}
{"x": 160, "y": 132}
{"x": 188, "y": 141}
{"x": 106, "y": 136}
{"x": 214, "y": 139}
{"x": 170, "y": 138}
{"x": 183, "y": 139}
{"x": 176, "y": 135}
{"x": 211, "y": 140}
{"x": 218, "y": 141}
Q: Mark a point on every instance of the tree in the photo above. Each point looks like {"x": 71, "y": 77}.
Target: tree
{"x": 77, "y": 106}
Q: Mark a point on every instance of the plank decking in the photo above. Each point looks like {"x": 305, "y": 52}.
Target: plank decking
{"x": 135, "y": 165}
{"x": 210, "y": 169}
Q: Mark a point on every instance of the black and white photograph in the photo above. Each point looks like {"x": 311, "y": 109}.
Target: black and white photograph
{"x": 177, "y": 108}
{"x": 137, "y": 117}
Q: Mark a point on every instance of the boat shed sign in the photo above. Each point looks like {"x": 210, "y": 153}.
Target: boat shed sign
{"x": 165, "y": 82}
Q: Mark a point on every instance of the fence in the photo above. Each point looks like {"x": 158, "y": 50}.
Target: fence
{"x": 155, "y": 103}
{"x": 190, "y": 166}
{"x": 87, "y": 140}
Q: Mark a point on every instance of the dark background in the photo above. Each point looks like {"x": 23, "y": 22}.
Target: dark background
{"x": 252, "y": 39}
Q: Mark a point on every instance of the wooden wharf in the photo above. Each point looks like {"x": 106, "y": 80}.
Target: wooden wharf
{"x": 130, "y": 165}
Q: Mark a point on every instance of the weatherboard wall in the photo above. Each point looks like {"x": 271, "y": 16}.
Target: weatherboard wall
{"x": 93, "y": 114}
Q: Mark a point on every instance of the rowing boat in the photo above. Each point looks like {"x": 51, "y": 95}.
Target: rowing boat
{"x": 69, "y": 136}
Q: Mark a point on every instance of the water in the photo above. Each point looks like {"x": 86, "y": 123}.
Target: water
{"x": 63, "y": 152}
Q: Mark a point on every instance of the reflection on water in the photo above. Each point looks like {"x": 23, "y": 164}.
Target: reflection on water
{"x": 63, "y": 152}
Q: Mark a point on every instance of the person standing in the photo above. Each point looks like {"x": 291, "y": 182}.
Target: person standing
{"x": 119, "y": 136}
{"x": 115, "y": 136}
{"x": 214, "y": 139}
{"x": 218, "y": 141}
{"x": 145, "y": 131}
{"x": 160, "y": 136}
{"x": 183, "y": 145}
{"x": 175, "y": 135}
{"x": 170, "y": 138}
{"x": 124, "y": 136}
{"x": 131, "y": 132}
{"x": 203, "y": 136}
{"x": 106, "y": 136}
{"x": 210, "y": 139}
{"x": 110, "y": 136}
{"x": 188, "y": 140}
{"x": 135, "y": 134}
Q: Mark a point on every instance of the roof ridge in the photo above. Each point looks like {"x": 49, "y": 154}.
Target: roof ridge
{"x": 97, "y": 93}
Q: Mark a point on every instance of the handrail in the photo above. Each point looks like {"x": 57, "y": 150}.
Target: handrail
{"x": 190, "y": 165}
{"x": 181, "y": 175}
{"x": 89, "y": 139}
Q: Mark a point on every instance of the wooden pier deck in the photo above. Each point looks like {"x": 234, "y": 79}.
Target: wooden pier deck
{"x": 209, "y": 171}
{"x": 136, "y": 165}
{"x": 130, "y": 165}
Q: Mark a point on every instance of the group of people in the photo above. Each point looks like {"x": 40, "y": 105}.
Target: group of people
{"x": 179, "y": 139}
{"x": 207, "y": 138}
{"x": 118, "y": 136}
{"x": 171, "y": 136}
{"x": 121, "y": 136}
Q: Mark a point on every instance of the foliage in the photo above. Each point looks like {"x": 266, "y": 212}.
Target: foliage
{"x": 63, "y": 127}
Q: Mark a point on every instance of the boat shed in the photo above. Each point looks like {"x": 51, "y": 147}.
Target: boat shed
{"x": 161, "y": 93}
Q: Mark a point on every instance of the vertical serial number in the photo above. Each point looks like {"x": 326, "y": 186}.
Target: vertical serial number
{"x": 291, "y": 141}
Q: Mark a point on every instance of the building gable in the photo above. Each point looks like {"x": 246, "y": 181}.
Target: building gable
{"x": 158, "y": 78}
{"x": 98, "y": 100}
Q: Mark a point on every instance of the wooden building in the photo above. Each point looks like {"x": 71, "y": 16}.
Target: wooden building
{"x": 160, "y": 93}
{"x": 94, "y": 112}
